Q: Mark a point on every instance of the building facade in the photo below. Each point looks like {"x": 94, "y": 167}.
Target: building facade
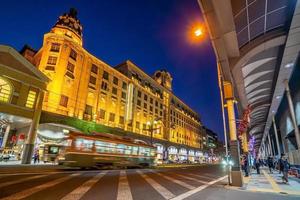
{"x": 123, "y": 97}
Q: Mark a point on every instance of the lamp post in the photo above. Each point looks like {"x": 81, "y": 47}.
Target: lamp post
{"x": 151, "y": 128}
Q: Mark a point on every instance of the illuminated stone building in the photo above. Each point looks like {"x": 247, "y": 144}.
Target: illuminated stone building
{"x": 124, "y": 97}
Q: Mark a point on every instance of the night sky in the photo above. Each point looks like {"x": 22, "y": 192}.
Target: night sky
{"x": 151, "y": 33}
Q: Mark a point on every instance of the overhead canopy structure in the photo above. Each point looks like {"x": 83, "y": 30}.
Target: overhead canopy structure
{"x": 256, "y": 46}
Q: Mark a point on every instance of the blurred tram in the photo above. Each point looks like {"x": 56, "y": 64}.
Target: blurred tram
{"x": 102, "y": 149}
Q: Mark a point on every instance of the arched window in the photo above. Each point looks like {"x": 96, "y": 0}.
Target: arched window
{"x": 5, "y": 90}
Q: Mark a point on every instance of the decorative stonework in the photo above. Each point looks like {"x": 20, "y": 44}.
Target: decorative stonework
{"x": 70, "y": 20}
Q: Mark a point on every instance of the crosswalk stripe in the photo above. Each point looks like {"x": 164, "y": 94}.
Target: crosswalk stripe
{"x": 159, "y": 188}
{"x": 28, "y": 192}
{"x": 191, "y": 178}
{"x": 183, "y": 184}
{"x": 200, "y": 176}
{"x": 124, "y": 192}
{"x": 82, "y": 189}
{"x": 210, "y": 176}
{"x": 196, "y": 190}
{"x": 21, "y": 180}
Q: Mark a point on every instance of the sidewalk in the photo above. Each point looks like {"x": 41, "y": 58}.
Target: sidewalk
{"x": 266, "y": 182}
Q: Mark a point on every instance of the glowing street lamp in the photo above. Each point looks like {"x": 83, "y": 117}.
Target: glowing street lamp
{"x": 151, "y": 128}
{"x": 198, "y": 32}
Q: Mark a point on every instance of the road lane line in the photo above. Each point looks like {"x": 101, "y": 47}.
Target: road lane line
{"x": 124, "y": 192}
{"x": 82, "y": 189}
{"x": 272, "y": 181}
{"x": 191, "y": 178}
{"x": 27, "y": 192}
{"x": 183, "y": 184}
{"x": 198, "y": 189}
{"x": 21, "y": 180}
{"x": 158, "y": 187}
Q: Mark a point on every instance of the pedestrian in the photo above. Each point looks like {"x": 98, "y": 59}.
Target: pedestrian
{"x": 257, "y": 165}
{"x": 280, "y": 163}
{"x": 36, "y": 157}
{"x": 246, "y": 165}
{"x": 286, "y": 167}
{"x": 270, "y": 164}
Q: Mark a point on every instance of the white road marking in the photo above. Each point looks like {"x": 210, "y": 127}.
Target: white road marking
{"x": 159, "y": 188}
{"x": 28, "y": 192}
{"x": 124, "y": 192}
{"x": 192, "y": 179}
{"x": 82, "y": 189}
{"x": 200, "y": 176}
{"x": 183, "y": 184}
{"x": 198, "y": 189}
{"x": 21, "y": 180}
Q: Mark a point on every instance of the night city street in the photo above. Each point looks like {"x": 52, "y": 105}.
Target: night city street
{"x": 150, "y": 100}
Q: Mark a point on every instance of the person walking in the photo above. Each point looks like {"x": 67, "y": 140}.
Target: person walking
{"x": 36, "y": 157}
{"x": 257, "y": 165}
{"x": 280, "y": 164}
{"x": 246, "y": 165}
{"x": 286, "y": 167}
{"x": 270, "y": 164}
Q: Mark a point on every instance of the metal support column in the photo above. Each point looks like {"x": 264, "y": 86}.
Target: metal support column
{"x": 292, "y": 112}
{"x": 276, "y": 136}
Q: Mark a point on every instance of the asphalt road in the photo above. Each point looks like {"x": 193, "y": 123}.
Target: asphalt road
{"x": 203, "y": 182}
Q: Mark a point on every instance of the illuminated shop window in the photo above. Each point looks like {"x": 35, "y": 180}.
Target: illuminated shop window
{"x": 5, "y": 91}
{"x": 30, "y": 99}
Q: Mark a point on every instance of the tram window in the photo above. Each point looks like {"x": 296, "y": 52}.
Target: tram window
{"x": 135, "y": 150}
{"x": 121, "y": 148}
{"x": 105, "y": 147}
{"x": 83, "y": 144}
{"x": 144, "y": 151}
{"x": 128, "y": 150}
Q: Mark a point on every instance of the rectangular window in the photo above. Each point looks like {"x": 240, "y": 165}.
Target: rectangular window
{"x": 137, "y": 125}
{"x": 114, "y": 91}
{"x": 139, "y": 94}
{"x": 121, "y": 120}
{"x": 50, "y": 68}
{"x": 115, "y": 80}
{"x": 94, "y": 69}
{"x": 151, "y": 100}
{"x": 88, "y": 110}
{"x": 93, "y": 80}
{"x": 156, "y": 103}
{"x": 145, "y": 97}
{"x": 145, "y": 105}
{"x": 55, "y": 47}
{"x": 52, "y": 60}
{"x": 73, "y": 54}
{"x": 138, "y": 102}
{"x": 102, "y": 114}
{"x": 151, "y": 108}
{"x": 104, "y": 86}
{"x": 30, "y": 99}
{"x": 161, "y": 106}
{"x": 124, "y": 85}
{"x": 111, "y": 117}
{"x": 63, "y": 100}
{"x": 70, "y": 67}
{"x": 123, "y": 95}
{"x": 105, "y": 75}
